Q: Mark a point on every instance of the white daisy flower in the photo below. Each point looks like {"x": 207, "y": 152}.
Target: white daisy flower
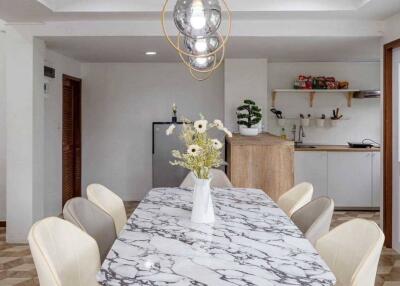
{"x": 194, "y": 150}
{"x": 201, "y": 126}
{"x": 170, "y": 129}
{"x": 218, "y": 123}
{"x": 227, "y": 132}
{"x": 216, "y": 144}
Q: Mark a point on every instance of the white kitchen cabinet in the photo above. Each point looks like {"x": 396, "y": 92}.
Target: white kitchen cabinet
{"x": 312, "y": 167}
{"x": 376, "y": 179}
{"x": 349, "y": 178}
{"x": 352, "y": 179}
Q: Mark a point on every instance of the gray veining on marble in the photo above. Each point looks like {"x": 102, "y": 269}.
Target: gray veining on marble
{"x": 252, "y": 242}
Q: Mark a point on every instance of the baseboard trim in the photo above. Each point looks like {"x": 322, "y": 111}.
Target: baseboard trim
{"x": 358, "y": 209}
{"x": 3, "y": 223}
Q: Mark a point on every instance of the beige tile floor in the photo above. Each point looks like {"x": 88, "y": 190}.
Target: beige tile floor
{"x": 17, "y": 268}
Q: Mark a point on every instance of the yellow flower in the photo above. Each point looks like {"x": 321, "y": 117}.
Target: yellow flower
{"x": 194, "y": 150}
{"x": 201, "y": 126}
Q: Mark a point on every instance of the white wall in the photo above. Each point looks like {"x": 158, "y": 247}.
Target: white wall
{"x": 392, "y": 28}
{"x": 25, "y": 123}
{"x": 53, "y": 130}
{"x": 119, "y": 104}
{"x": 396, "y": 152}
{"x": 38, "y": 148}
{"x": 2, "y": 130}
{"x": 364, "y": 115}
{"x": 244, "y": 79}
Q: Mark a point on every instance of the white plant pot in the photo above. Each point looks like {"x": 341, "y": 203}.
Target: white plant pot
{"x": 334, "y": 122}
{"x": 305, "y": 122}
{"x": 245, "y": 131}
{"x": 282, "y": 122}
{"x": 320, "y": 122}
{"x": 203, "y": 209}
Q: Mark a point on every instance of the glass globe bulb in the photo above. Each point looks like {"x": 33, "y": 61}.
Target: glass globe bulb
{"x": 201, "y": 46}
{"x": 197, "y": 18}
{"x": 202, "y": 63}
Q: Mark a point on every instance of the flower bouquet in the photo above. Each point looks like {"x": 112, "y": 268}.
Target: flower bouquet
{"x": 203, "y": 153}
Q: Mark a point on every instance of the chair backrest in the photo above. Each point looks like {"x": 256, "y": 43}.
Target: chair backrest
{"x": 63, "y": 254}
{"x": 296, "y": 198}
{"x": 219, "y": 180}
{"x": 94, "y": 221}
{"x": 352, "y": 251}
{"x": 108, "y": 202}
{"x": 314, "y": 219}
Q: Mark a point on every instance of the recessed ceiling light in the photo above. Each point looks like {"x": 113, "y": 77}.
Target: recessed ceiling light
{"x": 151, "y": 53}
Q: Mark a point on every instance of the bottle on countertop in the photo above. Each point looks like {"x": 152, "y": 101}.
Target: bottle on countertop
{"x": 283, "y": 134}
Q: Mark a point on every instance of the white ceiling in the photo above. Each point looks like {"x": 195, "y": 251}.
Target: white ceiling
{"x": 132, "y": 49}
{"x": 71, "y": 10}
{"x": 235, "y": 5}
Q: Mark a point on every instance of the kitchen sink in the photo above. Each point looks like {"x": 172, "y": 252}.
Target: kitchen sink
{"x": 305, "y": 146}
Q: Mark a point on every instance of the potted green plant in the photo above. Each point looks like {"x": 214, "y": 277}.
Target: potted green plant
{"x": 249, "y": 115}
{"x": 336, "y": 116}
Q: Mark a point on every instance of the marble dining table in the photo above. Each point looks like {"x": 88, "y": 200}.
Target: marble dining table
{"x": 252, "y": 242}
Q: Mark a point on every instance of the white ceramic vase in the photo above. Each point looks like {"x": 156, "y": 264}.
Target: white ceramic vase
{"x": 203, "y": 209}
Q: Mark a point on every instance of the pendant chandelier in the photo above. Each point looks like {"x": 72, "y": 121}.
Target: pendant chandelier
{"x": 200, "y": 43}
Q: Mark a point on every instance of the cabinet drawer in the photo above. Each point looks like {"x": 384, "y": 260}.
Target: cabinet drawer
{"x": 376, "y": 179}
{"x": 312, "y": 167}
{"x": 349, "y": 179}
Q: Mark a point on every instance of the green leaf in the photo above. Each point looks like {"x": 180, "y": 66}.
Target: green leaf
{"x": 243, "y": 107}
{"x": 249, "y": 102}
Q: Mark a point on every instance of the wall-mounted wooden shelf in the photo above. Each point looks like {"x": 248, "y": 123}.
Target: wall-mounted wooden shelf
{"x": 348, "y": 93}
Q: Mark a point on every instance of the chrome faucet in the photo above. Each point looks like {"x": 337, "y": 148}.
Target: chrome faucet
{"x": 302, "y": 134}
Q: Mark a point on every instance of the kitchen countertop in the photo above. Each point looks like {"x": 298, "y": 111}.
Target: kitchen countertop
{"x": 334, "y": 148}
{"x": 261, "y": 139}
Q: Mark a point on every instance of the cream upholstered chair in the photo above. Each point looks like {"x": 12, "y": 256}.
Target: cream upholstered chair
{"x": 92, "y": 220}
{"x": 219, "y": 180}
{"x": 296, "y": 198}
{"x": 314, "y": 219}
{"x": 352, "y": 251}
{"x": 110, "y": 203}
{"x": 63, "y": 254}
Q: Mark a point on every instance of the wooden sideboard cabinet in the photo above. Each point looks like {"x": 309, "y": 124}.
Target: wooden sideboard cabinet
{"x": 264, "y": 162}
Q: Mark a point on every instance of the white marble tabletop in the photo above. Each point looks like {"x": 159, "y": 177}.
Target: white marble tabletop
{"x": 252, "y": 242}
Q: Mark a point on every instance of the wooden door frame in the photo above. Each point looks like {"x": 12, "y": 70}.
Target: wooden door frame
{"x": 79, "y": 82}
{"x": 388, "y": 140}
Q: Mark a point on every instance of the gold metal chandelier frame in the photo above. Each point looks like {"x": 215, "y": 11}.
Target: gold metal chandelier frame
{"x": 197, "y": 74}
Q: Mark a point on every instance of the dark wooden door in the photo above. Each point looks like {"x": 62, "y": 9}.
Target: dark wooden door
{"x": 71, "y": 138}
